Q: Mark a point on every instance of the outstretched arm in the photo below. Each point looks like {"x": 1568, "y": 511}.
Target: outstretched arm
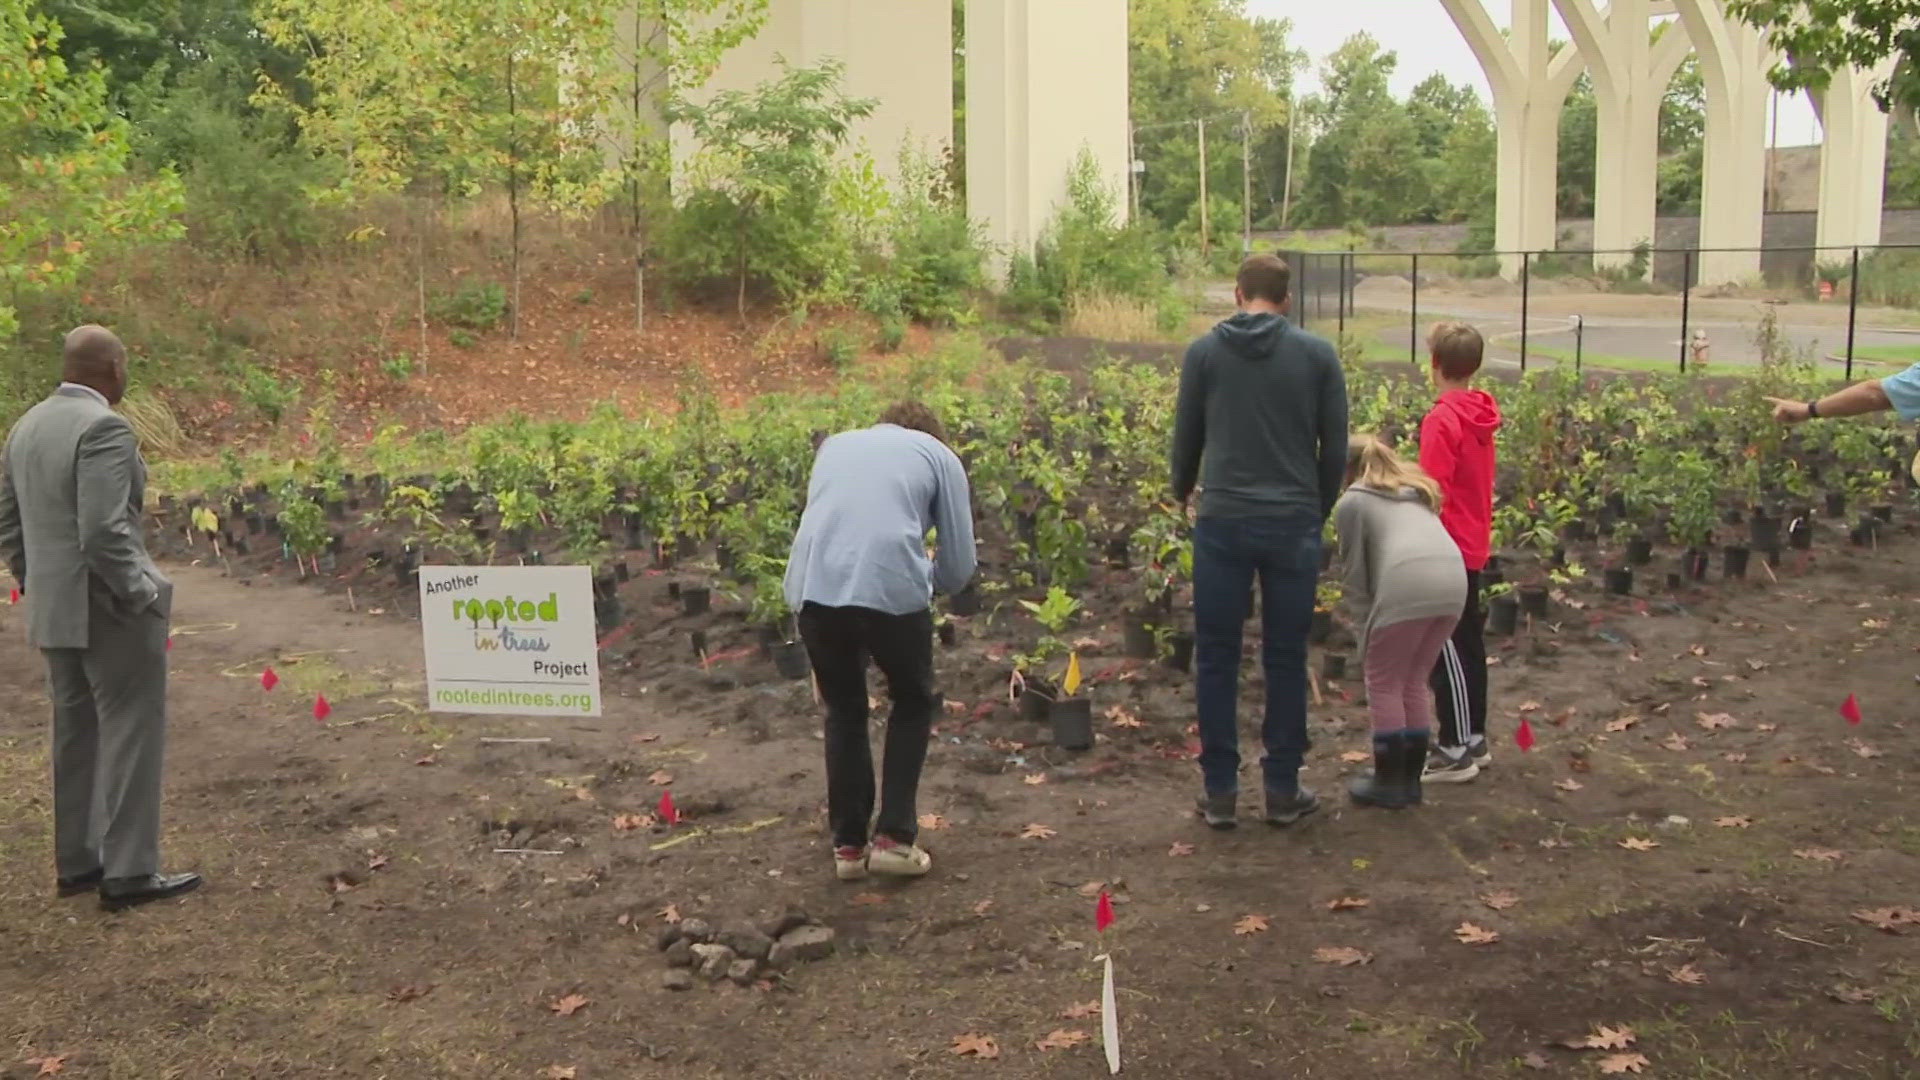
{"x": 109, "y": 535}
{"x": 953, "y": 515}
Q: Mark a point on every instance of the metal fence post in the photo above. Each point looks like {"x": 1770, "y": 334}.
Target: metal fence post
{"x": 1579, "y": 341}
{"x": 1340, "y": 293}
{"x": 1853, "y": 310}
{"x": 1526, "y": 283}
{"x": 1686, "y": 304}
{"x": 1413, "y": 318}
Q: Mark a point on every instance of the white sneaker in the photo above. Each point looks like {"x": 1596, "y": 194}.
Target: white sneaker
{"x": 850, "y": 863}
{"x": 894, "y": 859}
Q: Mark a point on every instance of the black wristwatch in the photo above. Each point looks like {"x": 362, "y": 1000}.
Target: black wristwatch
{"x": 1813, "y": 409}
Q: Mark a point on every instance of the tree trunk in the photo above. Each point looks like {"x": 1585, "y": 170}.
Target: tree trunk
{"x": 513, "y": 200}
{"x": 420, "y": 279}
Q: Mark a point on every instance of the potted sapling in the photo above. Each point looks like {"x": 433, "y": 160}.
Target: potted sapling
{"x": 1692, "y": 518}
{"x": 1503, "y": 609}
{"x": 1055, "y": 614}
{"x": 768, "y": 610}
{"x": 1326, "y": 600}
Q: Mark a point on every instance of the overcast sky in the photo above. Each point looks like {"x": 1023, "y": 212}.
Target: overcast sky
{"x": 1423, "y": 35}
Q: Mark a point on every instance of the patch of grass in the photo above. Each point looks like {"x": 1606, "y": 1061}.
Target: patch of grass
{"x": 1115, "y": 318}
{"x": 1886, "y": 354}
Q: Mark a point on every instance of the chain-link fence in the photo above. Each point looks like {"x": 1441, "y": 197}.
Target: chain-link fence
{"x": 1853, "y": 310}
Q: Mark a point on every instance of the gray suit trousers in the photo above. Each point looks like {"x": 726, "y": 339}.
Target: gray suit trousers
{"x": 109, "y": 738}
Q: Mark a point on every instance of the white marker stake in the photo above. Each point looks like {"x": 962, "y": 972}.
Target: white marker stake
{"x": 1110, "y": 1021}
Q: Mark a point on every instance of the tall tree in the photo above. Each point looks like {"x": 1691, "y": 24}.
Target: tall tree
{"x": 1364, "y": 167}
{"x": 63, "y": 177}
{"x": 1202, "y": 60}
{"x": 1821, "y": 36}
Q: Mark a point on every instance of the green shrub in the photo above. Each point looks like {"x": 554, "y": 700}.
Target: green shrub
{"x": 839, "y": 347}
{"x": 462, "y": 339}
{"x": 1084, "y": 253}
{"x": 937, "y": 254}
{"x": 474, "y": 305}
{"x": 269, "y": 395}
{"x": 893, "y": 334}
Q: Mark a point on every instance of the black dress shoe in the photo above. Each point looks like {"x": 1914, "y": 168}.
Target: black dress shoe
{"x": 117, "y": 893}
{"x": 81, "y": 883}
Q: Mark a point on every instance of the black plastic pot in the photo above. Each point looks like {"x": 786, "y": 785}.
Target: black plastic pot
{"x": 1533, "y": 601}
{"x": 1118, "y": 555}
{"x": 1620, "y": 580}
{"x": 687, "y": 547}
{"x": 606, "y": 612}
{"x": 1036, "y": 702}
{"x": 1321, "y": 628}
{"x": 790, "y": 660}
{"x": 256, "y": 523}
{"x": 1559, "y": 555}
{"x": 1072, "y": 720}
{"x": 1140, "y": 641}
{"x": 662, "y": 557}
{"x": 1673, "y": 581}
{"x": 1735, "y": 561}
{"x": 536, "y": 558}
{"x": 1490, "y": 577}
{"x": 1764, "y": 530}
{"x": 964, "y": 603}
{"x": 1864, "y": 532}
{"x": 1333, "y": 666}
{"x": 1883, "y": 511}
{"x": 1616, "y": 504}
{"x": 1800, "y": 534}
{"x": 336, "y": 543}
{"x": 1576, "y": 531}
{"x": 621, "y": 573}
{"x": 724, "y": 558}
{"x": 948, "y": 632}
{"x": 698, "y": 639}
{"x": 1836, "y": 504}
{"x": 1772, "y": 555}
{"x": 696, "y": 599}
{"x": 1180, "y": 652}
{"x": 1503, "y": 615}
{"x": 1639, "y": 551}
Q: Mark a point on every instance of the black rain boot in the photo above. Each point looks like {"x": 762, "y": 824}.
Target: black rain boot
{"x": 1386, "y": 788}
{"x": 1413, "y": 762}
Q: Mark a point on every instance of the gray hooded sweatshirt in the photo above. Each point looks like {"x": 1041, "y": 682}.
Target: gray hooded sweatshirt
{"x": 1397, "y": 561}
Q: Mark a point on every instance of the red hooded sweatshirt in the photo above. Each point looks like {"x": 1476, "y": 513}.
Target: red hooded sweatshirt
{"x": 1456, "y": 449}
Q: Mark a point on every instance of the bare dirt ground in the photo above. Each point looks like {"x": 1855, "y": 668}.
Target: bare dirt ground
{"x": 1706, "y": 875}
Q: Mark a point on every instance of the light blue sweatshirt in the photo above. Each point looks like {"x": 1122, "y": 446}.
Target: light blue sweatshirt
{"x": 873, "y": 495}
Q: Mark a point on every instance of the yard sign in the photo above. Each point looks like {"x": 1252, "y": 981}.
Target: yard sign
{"x": 517, "y": 640}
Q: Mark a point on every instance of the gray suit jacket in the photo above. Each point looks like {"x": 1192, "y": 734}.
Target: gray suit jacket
{"x": 72, "y": 485}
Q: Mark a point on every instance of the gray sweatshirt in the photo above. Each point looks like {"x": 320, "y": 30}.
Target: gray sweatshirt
{"x": 1261, "y": 421}
{"x": 862, "y": 541}
{"x": 1397, "y": 560}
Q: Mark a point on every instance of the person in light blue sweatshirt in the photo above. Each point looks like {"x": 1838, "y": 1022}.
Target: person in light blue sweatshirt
{"x": 862, "y": 581}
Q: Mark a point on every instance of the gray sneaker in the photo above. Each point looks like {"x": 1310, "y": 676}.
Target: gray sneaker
{"x": 1449, "y": 767}
{"x": 1220, "y": 811}
{"x": 1286, "y": 807}
{"x": 1481, "y": 754}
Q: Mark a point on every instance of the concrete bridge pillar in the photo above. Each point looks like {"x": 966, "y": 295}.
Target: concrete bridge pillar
{"x": 1733, "y": 62}
{"x": 1853, "y": 162}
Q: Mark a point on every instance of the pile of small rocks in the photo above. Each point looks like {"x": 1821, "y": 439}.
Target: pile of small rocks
{"x": 741, "y": 952}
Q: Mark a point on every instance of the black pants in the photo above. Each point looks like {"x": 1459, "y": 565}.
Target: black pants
{"x": 839, "y": 641}
{"x": 1460, "y": 678}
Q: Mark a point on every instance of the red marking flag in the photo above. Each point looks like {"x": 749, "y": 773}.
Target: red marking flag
{"x": 1524, "y": 737}
{"x": 669, "y": 813}
{"x": 321, "y": 709}
{"x": 1103, "y": 912}
{"x": 1850, "y": 709}
{"x": 269, "y": 679}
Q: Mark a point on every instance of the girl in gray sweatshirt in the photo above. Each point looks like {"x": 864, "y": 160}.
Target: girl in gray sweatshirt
{"x": 1404, "y": 578}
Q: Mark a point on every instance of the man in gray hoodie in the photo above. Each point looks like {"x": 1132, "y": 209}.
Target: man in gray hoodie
{"x": 1261, "y": 425}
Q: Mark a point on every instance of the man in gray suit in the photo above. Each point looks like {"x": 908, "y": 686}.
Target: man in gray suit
{"x": 71, "y": 487}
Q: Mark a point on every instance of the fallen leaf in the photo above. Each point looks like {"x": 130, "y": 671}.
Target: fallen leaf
{"x": 51, "y": 1065}
{"x": 1875, "y": 624}
{"x": 1675, "y": 741}
{"x": 1819, "y": 854}
{"x": 866, "y": 899}
{"x": 1738, "y": 821}
{"x": 1122, "y": 718}
{"x": 1604, "y": 1038}
{"x": 1536, "y": 1061}
{"x": 1500, "y": 901}
{"x": 983, "y": 907}
{"x": 1716, "y": 721}
{"x": 1850, "y": 995}
{"x": 973, "y": 1044}
{"x": 1343, "y": 955}
{"x": 932, "y": 822}
{"x": 670, "y": 913}
{"x": 568, "y": 1005}
{"x": 624, "y": 919}
{"x": 1569, "y": 785}
{"x": 376, "y": 862}
{"x": 1861, "y": 749}
{"x": 1180, "y": 850}
{"x": 341, "y": 882}
{"x": 1622, "y": 724}
{"x": 1037, "y": 832}
{"x": 630, "y": 822}
{"x": 1735, "y": 758}
{"x": 1469, "y": 934}
{"x": 1082, "y": 1010}
{"x": 1757, "y": 665}
{"x": 558, "y": 1072}
{"x": 647, "y": 738}
{"x": 1036, "y": 779}
{"x": 1355, "y": 757}
{"x": 428, "y": 760}
{"x": 1639, "y": 843}
{"x": 660, "y": 778}
{"x": 1529, "y": 706}
{"x": 1697, "y": 650}
{"x": 1348, "y": 903}
{"x": 1091, "y": 889}
{"x": 1615, "y": 1064}
{"x": 1686, "y": 975}
{"x": 1250, "y": 924}
{"x": 583, "y": 794}
{"x": 1062, "y": 1039}
{"x": 1890, "y": 919}
{"x": 1766, "y": 727}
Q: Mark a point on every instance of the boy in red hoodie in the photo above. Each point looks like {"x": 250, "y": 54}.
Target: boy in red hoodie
{"x": 1456, "y": 449}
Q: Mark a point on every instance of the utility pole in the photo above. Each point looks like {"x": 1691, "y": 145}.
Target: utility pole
{"x": 1133, "y": 176}
{"x": 1206, "y": 230}
{"x": 1246, "y": 182}
{"x": 1286, "y": 176}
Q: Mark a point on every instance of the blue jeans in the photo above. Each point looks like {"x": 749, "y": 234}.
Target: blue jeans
{"x": 1283, "y": 549}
